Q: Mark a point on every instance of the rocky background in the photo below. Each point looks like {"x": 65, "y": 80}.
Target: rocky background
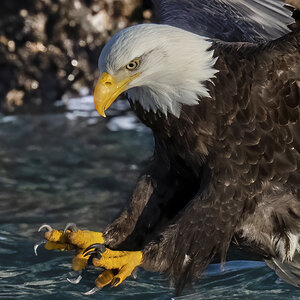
{"x": 49, "y": 48}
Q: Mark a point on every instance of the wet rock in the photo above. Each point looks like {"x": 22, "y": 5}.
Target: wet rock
{"x": 49, "y": 48}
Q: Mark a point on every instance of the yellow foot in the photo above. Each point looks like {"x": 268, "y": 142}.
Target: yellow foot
{"x": 89, "y": 246}
{"x": 71, "y": 238}
{"x": 124, "y": 262}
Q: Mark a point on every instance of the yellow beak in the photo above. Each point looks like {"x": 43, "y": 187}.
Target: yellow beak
{"x": 107, "y": 91}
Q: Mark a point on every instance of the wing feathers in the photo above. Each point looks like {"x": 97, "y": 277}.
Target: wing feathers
{"x": 228, "y": 20}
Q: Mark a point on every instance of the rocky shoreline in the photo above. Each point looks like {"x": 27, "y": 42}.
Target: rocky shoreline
{"x": 49, "y": 49}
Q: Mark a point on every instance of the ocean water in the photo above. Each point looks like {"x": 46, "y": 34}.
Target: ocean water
{"x": 79, "y": 167}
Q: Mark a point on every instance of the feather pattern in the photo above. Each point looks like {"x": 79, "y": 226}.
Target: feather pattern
{"x": 227, "y": 20}
{"x": 245, "y": 138}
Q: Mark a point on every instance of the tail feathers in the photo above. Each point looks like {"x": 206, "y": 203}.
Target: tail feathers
{"x": 289, "y": 271}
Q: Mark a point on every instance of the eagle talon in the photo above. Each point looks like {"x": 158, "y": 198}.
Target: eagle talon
{"x": 45, "y": 226}
{"x": 115, "y": 281}
{"x": 75, "y": 280}
{"x": 92, "y": 254}
{"x": 89, "y": 245}
{"x": 72, "y": 227}
{"x": 134, "y": 273}
{"x": 35, "y": 247}
{"x": 98, "y": 248}
{"x": 118, "y": 264}
{"x": 92, "y": 291}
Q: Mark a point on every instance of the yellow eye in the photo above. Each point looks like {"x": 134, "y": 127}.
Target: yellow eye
{"x": 133, "y": 65}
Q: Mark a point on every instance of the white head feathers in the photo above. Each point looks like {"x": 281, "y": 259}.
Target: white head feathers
{"x": 174, "y": 63}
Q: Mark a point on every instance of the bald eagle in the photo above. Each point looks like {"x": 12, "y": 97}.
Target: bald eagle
{"x": 218, "y": 83}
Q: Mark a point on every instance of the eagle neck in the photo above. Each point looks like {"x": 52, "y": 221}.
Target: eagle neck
{"x": 191, "y": 135}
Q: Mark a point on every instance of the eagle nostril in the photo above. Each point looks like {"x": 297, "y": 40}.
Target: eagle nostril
{"x": 107, "y": 83}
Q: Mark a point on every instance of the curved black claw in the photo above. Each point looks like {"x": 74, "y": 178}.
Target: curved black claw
{"x": 92, "y": 291}
{"x": 72, "y": 227}
{"x": 97, "y": 249}
{"x": 45, "y": 226}
{"x": 35, "y": 247}
{"x": 93, "y": 254}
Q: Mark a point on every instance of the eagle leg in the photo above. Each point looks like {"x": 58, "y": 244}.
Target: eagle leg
{"x": 123, "y": 262}
{"x": 72, "y": 238}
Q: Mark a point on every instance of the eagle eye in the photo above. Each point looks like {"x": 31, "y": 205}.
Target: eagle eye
{"x": 133, "y": 65}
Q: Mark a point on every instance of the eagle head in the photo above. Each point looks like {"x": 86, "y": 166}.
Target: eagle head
{"x": 160, "y": 66}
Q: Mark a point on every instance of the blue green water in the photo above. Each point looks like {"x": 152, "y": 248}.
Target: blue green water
{"x": 78, "y": 167}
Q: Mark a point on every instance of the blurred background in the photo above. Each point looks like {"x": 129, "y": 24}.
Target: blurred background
{"x": 49, "y": 48}
{"x": 61, "y": 162}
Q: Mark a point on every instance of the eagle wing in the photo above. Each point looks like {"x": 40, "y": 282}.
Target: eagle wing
{"x": 264, "y": 81}
{"x": 227, "y": 20}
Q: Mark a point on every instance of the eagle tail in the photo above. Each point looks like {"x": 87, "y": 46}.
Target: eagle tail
{"x": 288, "y": 270}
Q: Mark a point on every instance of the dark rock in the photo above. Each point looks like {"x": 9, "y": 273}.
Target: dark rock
{"x": 49, "y": 48}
